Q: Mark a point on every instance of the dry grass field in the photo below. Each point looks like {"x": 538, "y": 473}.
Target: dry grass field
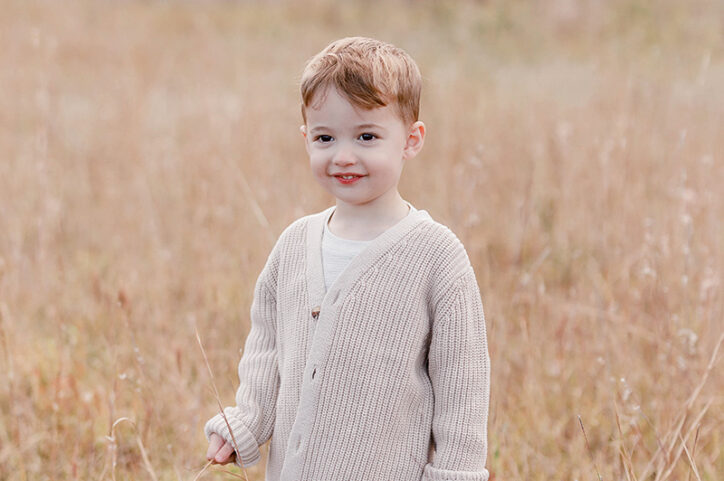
{"x": 150, "y": 156}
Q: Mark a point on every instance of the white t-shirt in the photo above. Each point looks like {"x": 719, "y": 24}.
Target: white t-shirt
{"x": 337, "y": 252}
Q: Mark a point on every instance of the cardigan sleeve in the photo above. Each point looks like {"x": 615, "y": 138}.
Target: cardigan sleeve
{"x": 459, "y": 368}
{"x": 252, "y": 419}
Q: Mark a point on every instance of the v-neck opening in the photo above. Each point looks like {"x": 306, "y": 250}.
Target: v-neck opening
{"x": 318, "y": 295}
{"x": 334, "y": 208}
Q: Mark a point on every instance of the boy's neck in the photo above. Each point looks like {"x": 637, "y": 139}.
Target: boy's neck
{"x": 367, "y": 221}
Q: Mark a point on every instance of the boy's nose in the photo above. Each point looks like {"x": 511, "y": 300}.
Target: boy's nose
{"x": 344, "y": 156}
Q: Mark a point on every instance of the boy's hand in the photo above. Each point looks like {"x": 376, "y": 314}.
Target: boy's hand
{"x": 219, "y": 451}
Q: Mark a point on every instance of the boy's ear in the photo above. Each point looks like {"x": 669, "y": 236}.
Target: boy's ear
{"x": 415, "y": 140}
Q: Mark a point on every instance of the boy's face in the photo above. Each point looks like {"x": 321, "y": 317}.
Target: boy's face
{"x": 372, "y": 145}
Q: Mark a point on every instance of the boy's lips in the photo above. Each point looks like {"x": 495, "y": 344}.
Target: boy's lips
{"x": 348, "y": 178}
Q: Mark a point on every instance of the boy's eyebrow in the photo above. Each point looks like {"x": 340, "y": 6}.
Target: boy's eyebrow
{"x": 360, "y": 126}
{"x": 370, "y": 126}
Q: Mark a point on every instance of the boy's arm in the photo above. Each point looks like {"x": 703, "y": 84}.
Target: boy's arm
{"x": 459, "y": 368}
{"x": 252, "y": 419}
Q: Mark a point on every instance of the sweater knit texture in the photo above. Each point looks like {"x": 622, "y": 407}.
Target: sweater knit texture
{"x": 382, "y": 377}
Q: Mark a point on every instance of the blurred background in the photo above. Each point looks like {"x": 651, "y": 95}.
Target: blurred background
{"x": 150, "y": 156}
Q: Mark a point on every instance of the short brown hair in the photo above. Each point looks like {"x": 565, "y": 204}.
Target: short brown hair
{"x": 370, "y": 73}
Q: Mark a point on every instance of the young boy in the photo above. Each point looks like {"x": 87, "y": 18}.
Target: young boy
{"x": 367, "y": 344}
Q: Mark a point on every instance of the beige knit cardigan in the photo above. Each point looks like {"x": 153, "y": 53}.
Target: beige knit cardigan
{"x": 361, "y": 382}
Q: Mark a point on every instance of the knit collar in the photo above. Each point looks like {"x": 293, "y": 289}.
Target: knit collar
{"x": 377, "y": 247}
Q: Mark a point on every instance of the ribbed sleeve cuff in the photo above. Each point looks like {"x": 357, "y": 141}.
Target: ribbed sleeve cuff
{"x": 436, "y": 474}
{"x": 247, "y": 449}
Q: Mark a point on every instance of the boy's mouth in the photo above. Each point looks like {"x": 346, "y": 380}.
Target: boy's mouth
{"x": 347, "y": 174}
{"x": 348, "y": 178}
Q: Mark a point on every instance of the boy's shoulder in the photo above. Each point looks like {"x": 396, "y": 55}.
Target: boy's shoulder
{"x": 297, "y": 227}
{"x": 441, "y": 239}
{"x": 293, "y": 236}
{"x": 445, "y": 258}
{"x": 437, "y": 229}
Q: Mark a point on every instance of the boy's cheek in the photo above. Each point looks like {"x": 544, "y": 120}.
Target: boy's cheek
{"x": 313, "y": 151}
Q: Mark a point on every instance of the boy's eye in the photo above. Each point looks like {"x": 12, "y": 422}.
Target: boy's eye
{"x": 324, "y": 138}
{"x": 367, "y": 137}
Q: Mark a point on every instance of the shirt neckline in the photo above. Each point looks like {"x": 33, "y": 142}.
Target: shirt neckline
{"x": 318, "y": 295}
{"x": 327, "y": 230}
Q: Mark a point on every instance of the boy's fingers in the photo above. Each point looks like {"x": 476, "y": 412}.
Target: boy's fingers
{"x": 215, "y": 443}
{"x": 224, "y": 454}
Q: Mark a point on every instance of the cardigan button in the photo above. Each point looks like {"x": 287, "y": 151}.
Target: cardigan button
{"x": 315, "y": 312}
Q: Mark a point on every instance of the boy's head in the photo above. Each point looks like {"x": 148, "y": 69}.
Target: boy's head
{"x": 360, "y": 103}
{"x": 368, "y": 72}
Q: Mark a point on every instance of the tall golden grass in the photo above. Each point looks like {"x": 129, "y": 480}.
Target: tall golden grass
{"x": 150, "y": 156}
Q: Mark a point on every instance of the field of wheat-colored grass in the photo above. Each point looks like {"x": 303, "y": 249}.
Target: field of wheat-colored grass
{"x": 150, "y": 156}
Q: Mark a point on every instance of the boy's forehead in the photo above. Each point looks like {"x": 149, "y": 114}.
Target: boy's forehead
{"x": 331, "y": 96}
{"x": 332, "y": 105}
